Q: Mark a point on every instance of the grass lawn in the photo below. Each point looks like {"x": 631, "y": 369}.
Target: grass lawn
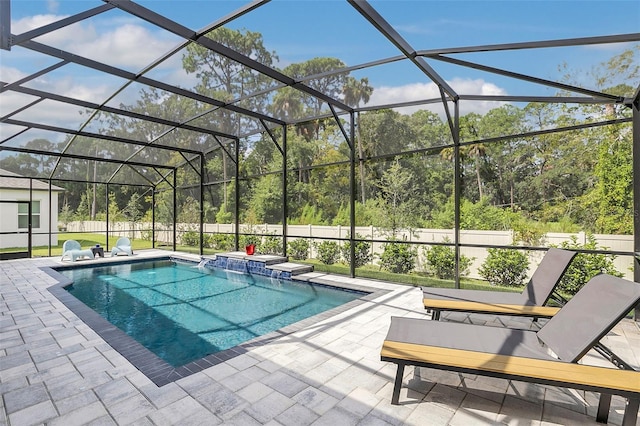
{"x": 415, "y": 278}
{"x": 87, "y": 240}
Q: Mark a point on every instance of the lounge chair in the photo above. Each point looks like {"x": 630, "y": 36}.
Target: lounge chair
{"x": 73, "y": 250}
{"x": 548, "y": 356}
{"x": 531, "y": 302}
{"x": 123, "y": 246}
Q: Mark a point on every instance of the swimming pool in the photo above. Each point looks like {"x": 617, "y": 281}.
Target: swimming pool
{"x": 182, "y": 312}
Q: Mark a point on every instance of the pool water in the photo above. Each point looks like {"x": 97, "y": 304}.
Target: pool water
{"x": 183, "y": 312}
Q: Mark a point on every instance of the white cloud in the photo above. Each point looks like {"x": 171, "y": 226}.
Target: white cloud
{"x": 130, "y": 46}
{"x": 32, "y": 22}
{"x": 10, "y": 74}
{"x": 423, "y": 91}
{"x": 127, "y": 45}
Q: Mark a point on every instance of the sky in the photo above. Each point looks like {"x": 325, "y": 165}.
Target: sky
{"x": 303, "y": 29}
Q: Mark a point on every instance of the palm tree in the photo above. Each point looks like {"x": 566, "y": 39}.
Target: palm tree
{"x": 287, "y": 104}
{"x": 354, "y": 92}
{"x": 469, "y": 127}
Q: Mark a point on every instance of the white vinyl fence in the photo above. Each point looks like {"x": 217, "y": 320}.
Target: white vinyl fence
{"x": 316, "y": 233}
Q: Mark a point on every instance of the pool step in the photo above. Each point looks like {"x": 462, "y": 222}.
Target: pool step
{"x": 267, "y": 259}
{"x": 293, "y": 268}
{"x": 260, "y": 264}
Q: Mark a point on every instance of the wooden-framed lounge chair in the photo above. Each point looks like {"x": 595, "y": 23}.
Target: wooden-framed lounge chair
{"x": 73, "y": 250}
{"x": 548, "y": 356}
{"x": 530, "y": 302}
{"x": 123, "y": 246}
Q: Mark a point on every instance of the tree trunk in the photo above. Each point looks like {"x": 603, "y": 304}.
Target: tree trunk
{"x": 361, "y": 162}
{"x": 478, "y": 178}
{"x": 94, "y": 201}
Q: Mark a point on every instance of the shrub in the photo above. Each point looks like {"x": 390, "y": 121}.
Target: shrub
{"x": 272, "y": 244}
{"x": 507, "y": 267}
{"x": 223, "y": 242}
{"x": 362, "y": 252}
{"x": 245, "y": 240}
{"x": 191, "y": 238}
{"x": 441, "y": 261}
{"x": 299, "y": 249}
{"x": 146, "y": 234}
{"x": 328, "y": 252}
{"x": 585, "y": 265}
{"x": 398, "y": 258}
{"x": 207, "y": 241}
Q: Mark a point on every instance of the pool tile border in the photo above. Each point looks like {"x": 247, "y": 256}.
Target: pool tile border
{"x": 159, "y": 371}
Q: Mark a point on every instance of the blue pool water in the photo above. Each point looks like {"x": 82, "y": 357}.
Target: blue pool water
{"x": 182, "y": 312}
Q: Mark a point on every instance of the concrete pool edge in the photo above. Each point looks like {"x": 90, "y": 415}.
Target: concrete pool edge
{"x": 157, "y": 370}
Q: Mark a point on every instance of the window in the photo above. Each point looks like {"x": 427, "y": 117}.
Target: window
{"x": 23, "y": 215}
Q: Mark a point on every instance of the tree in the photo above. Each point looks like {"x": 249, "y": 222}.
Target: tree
{"x": 469, "y": 130}
{"x": 356, "y": 91}
{"x": 331, "y": 85}
{"x": 614, "y": 189}
{"x": 397, "y": 201}
{"x": 287, "y": 104}
{"x": 225, "y": 79}
{"x": 605, "y": 205}
{"x": 133, "y": 211}
{"x": 66, "y": 215}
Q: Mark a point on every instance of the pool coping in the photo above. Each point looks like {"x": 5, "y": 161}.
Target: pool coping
{"x": 156, "y": 369}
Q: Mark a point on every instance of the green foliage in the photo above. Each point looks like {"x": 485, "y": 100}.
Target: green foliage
{"x": 246, "y": 240}
{"x": 328, "y": 252}
{"x": 115, "y": 214}
{"x": 189, "y": 212}
{"x": 396, "y": 199}
{"x": 441, "y": 261}
{"x": 66, "y": 215}
{"x": 480, "y": 216}
{"x": 506, "y": 267}
{"x": 133, "y": 211}
{"x": 565, "y": 182}
{"x": 298, "y": 249}
{"x": 224, "y": 242}
{"x": 208, "y": 241}
{"x": 272, "y": 244}
{"x": 398, "y": 258}
{"x": 191, "y": 238}
{"x": 310, "y": 215}
{"x": 363, "y": 253}
{"x": 366, "y": 214}
{"x": 528, "y": 232}
{"x": 223, "y": 216}
{"x": 585, "y": 265}
{"x": 83, "y": 212}
{"x": 146, "y": 234}
{"x": 614, "y": 189}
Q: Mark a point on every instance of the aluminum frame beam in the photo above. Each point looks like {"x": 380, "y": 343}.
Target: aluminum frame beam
{"x": 186, "y": 33}
{"x": 127, "y": 75}
{"x": 371, "y": 15}
{"x": 57, "y": 129}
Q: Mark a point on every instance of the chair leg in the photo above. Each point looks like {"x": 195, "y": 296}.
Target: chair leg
{"x": 603, "y": 408}
{"x": 435, "y": 314}
{"x": 397, "y": 384}
{"x": 631, "y": 412}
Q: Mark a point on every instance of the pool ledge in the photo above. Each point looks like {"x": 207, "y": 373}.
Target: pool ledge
{"x": 260, "y": 264}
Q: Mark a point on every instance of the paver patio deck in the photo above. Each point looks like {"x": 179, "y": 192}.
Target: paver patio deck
{"x": 55, "y": 370}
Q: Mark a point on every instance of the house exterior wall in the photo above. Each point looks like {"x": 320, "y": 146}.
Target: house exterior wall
{"x": 9, "y": 218}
